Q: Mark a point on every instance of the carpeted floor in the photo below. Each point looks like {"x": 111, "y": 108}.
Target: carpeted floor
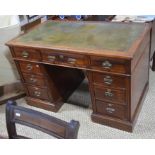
{"x": 145, "y": 127}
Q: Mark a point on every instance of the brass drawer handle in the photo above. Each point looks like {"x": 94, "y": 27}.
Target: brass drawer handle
{"x": 37, "y": 93}
{"x": 108, "y": 80}
{"x": 51, "y": 58}
{"x": 108, "y": 93}
{"x": 29, "y": 67}
{"x": 71, "y": 60}
{"x": 33, "y": 80}
{"x": 106, "y": 64}
{"x": 61, "y": 56}
{"x": 110, "y": 110}
{"x": 25, "y": 54}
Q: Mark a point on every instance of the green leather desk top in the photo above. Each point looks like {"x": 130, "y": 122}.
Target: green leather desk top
{"x": 83, "y": 35}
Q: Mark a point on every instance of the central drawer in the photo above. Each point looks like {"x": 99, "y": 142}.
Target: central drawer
{"x": 58, "y": 57}
{"x": 110, "y": 95}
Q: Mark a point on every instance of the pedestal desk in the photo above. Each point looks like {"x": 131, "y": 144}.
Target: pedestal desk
{"x": 51, "y": 59}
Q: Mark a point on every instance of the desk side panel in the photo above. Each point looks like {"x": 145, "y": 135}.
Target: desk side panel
{"x": 139, "y": 82}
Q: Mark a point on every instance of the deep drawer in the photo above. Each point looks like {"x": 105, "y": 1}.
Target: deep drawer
{"x": 110, "y": 95}
{"x": 27, "y": 54}
{"x": 34, "y": 79}
{"x": 113, "y": 110}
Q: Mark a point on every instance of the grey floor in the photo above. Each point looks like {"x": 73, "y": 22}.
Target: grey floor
{"x": 145, "y": 126}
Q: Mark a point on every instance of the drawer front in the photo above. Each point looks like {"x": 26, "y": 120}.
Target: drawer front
{"x": 109, "y": 80}
{"x": 112, "y": 110}
{"x": 64, "y": 59}
{"x": 110, "y": 95}
{"x": 34, "y": 79}
{"x": 38, "y": 92}
{"x": 27, "y": 54}
{"x": 28, "y": 67}
{"x": 110, "y": 65}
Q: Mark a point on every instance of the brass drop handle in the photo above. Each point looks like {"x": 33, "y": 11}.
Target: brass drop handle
{"x": 29, "y": 67}
{"x": 51, "y": 58}
{"x": 33, "y": 79}
{"x": 108, "y": 80}
{"x": 106, "y": 64}
{"x": 110, "y": 110}
{"x": 61, "y": 56}
{"x": 71, "y": 60}
{"x": 25, "y": 54}
{"x": 108, "y": 93}
{"x": 37, "y": 93}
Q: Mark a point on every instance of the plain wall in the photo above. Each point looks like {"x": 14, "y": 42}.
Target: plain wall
{"x": 9, "y": 28}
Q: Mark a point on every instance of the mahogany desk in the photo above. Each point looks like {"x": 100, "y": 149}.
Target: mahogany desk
{"x": 115, "y": 56}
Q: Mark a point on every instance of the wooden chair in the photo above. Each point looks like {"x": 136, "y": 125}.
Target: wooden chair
{"x": 43, "y": 122}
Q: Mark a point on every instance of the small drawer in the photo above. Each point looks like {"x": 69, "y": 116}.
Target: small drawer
{"x": 34, "y": 79}
{"x": 64, "y": 59}
{"x": 110, "y": 65}
{"x": 109, "y": 80}
{"x": 38, "y": 92}
{"x": 110, "y": 95}
{"x": 28, "y": 67}
{"x": 27, "y": 54}
{"x": 113, "y": 110}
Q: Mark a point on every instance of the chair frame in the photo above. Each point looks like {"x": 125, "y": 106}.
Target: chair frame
{"x": 40, "y": 121}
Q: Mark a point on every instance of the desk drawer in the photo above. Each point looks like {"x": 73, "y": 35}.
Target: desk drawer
{"x": 27, "y": 54}
{"x": 110, "y": 65}
{"x": 113, "y": 110}
{"x": 109, "y": 80}
{"x": 34, "y": 79}
{"x": 37, "y": 92}
{"x": 110, "y": 95}
{"x": 64, "y": 59}
{"x": 29, "y": 67}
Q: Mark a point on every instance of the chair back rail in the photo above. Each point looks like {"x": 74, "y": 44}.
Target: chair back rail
{"x": 40, "y": 121}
